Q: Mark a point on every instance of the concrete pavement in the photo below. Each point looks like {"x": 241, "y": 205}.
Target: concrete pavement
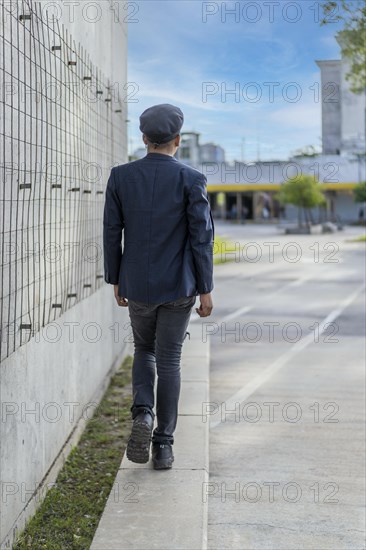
{"x": 164, "y": 509}
{"x": 287, "y": 380}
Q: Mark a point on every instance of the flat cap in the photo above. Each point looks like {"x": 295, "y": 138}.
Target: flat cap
{"x": 161, "y": 123}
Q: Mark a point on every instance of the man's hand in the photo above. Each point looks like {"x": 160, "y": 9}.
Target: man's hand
{"x": 120, "y": 301}
{"x": 206, "y": 305}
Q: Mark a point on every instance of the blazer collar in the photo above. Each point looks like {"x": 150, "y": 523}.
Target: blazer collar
{"x": 159, "y": 156}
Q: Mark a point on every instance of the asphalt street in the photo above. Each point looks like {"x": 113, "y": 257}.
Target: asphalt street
{"x": 287, "y": 402}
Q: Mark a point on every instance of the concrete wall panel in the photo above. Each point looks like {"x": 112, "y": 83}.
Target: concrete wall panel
{"x": 60, "y": 133}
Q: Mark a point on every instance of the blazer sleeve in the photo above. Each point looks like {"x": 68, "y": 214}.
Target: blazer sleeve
{"x": 201, "y": 234}
{"x": 113, "y": 224}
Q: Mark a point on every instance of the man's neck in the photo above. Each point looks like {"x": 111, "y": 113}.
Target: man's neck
{"x": 161, "y": 152}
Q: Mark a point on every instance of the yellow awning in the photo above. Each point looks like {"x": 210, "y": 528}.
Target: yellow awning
{"x": 226, "y": 188}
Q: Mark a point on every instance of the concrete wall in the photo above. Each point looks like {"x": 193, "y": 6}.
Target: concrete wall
{"x": 62, "y": 334}
{"x": 343, "y": 112}
{"x": 346, "y": 207}
{"x": 328, "y": 169}
{"x": 331, "y": 106}
{"x": 49, "y": 388}
{"x": 353, "y": 115}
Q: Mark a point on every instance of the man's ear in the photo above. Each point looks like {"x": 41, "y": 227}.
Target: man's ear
{"x": 144, "y": 139}
{"x": 177, "y": 141}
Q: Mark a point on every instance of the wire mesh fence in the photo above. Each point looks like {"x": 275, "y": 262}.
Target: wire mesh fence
{"x": 61, "y": 130}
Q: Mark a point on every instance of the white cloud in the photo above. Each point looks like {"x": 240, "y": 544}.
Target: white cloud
{"x": 298, "y": 116}
{"x": 172, "y": 52}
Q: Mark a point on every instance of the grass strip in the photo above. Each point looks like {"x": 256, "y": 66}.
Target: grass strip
{"x": 360, "y": 239}
{"x": 69, "y": 515}
{"x": 223, "y": 250}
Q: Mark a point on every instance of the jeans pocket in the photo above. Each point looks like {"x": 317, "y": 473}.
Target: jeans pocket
{"x": 184, "y": 302}
{"x": 137, "y": 306}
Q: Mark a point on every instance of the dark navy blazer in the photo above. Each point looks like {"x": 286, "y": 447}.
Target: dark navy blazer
{"x": 161, "y": 207}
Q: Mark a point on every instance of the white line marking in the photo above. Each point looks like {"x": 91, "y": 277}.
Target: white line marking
{"x": 254, "y": 384}
{"x": 266, "y": 297}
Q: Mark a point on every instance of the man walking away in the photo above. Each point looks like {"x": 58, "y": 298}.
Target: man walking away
{"x": 161, "y": 206}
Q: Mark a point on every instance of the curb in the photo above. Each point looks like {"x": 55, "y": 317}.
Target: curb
{"x": 149, "y": 509}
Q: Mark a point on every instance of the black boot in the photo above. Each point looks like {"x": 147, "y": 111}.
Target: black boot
{"x": 138, "y": 446}
{"x": 162, "y": 456}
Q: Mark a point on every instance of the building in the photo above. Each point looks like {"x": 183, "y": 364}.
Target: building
{"x": 343, "y": 112}
{"x": 195, "y": 154}
{"x": 138, "y": 153}
{"x": 210, "y": 152}
{"x": 248, "y": 191}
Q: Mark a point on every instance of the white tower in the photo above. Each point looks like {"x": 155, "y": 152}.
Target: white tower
{"x": 343, "y": 112}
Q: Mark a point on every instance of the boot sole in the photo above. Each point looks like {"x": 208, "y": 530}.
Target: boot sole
{"x": 164, "y": 464}
{"x": 138, "y": 446}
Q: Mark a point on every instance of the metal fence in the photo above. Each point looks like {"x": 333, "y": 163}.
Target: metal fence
{"x": 61, "y": 130}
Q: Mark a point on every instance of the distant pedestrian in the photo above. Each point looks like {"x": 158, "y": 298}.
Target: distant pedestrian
{"x": 161, "y": 205}
{"x": 265, "y": 213}
{"x": 244, "y": 213}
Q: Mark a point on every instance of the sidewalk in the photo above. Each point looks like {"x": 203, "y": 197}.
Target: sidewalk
{"x": 164, "y": 509}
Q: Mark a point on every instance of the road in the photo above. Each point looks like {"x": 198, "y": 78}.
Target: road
{"x": 287, "y": 397}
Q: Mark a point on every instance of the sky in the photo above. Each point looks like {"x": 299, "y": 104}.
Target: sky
{"x": 192, "y": 54}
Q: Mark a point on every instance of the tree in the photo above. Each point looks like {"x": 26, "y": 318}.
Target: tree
{"x": 352, "y": 38}
{"x": 359, "y": 192}
{"x": 304, "y": 192}
{"x": 307, "y": 151}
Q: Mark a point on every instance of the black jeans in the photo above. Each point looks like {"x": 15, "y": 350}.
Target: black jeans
{"x": 158, "y": 333}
